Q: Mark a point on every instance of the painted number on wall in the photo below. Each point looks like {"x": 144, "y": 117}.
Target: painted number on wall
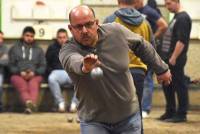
{"x": 41, "y": 32}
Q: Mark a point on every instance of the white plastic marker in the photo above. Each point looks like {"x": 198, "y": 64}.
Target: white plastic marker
{"x": 96, "y": 73}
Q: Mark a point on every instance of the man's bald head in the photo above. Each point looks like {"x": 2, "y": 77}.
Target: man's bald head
{"x": 80, "y": 11}
{"x": 83, "y": 25}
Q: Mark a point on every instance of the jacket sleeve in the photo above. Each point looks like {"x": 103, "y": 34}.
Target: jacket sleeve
{"x": 71, "y": 60}
{"x": 42, "y": 64}
{"x": 144, "y": 50}
{"x": 3, "y": 56}
{"x": 13, "y": 67}
{"x": 49, "y": 61}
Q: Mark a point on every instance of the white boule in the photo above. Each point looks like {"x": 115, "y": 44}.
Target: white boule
{"x": 96, "y": 73}
{"x": 70, "y": 119}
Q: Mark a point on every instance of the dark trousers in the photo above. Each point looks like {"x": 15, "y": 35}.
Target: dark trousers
{"x": 178, "y": 86}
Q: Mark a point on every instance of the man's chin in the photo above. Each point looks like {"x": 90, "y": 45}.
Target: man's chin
{"x": 86, "y": 43}
{"x": 29, "y": 42}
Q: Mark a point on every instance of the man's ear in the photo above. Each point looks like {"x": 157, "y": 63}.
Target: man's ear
{"x": 97, "y": 22}
{"x": 70, "y": 27}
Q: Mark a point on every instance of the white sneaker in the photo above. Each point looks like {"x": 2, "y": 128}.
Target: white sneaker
{"x": 61, "y": 107}
{"x": 73, "y": 107}
{"x": 145, "y": 114}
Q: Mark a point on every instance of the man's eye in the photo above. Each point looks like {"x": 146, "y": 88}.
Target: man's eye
{"x": 89, "y": 24}
{"x": 79, "y": 26}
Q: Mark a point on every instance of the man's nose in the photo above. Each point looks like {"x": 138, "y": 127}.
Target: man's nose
{"x": 84, "y": 29}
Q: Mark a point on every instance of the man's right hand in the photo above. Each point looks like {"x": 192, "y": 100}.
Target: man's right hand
{"x": 90, "y": 61}
{"x": 165, "y": 78}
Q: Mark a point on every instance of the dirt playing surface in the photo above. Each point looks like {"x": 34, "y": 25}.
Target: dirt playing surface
{"x": 54, "y": 123}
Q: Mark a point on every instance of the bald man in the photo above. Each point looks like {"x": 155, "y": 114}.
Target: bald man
{"x": 108, "y": 105}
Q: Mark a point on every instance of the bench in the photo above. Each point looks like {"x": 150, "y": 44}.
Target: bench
{"x": 7, "y": 85}
{"x": 11, "y": 101}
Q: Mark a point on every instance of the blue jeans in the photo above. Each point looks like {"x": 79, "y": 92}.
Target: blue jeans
{"x": 148, "y": 91}
{"x": 138, "y": 79}
{"x": 131, "y": 125}
{"x": 56, "y": 79}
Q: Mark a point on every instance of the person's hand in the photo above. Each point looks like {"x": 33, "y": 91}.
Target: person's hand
{"x": 30, "y": 74}
{"x": 165, "y": 78}
{"x": 89, "y": 62}
{"x": 172, "y": 61}
{"x": 24, "y": 75}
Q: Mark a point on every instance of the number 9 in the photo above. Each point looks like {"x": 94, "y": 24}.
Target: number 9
{"x": 41, "y": 32}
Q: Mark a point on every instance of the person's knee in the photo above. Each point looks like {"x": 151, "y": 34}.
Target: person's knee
{"x": 52, "y": 78}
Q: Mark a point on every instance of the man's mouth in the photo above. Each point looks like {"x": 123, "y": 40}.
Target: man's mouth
{"x": 85, "y": 38}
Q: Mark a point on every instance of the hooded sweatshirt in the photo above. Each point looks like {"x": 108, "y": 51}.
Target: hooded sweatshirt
{"x": 23, "y": 57}
{"x": 133, "y": 20}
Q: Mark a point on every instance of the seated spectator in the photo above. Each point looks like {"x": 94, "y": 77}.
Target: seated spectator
{"x": 3, "y": 63}
{"x": 58, "y": 76}
{"x": 27, "y": 64}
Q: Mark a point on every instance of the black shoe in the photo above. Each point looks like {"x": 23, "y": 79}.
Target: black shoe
{"x": 166, "y": 116}
{"x": 177, "y": 119}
